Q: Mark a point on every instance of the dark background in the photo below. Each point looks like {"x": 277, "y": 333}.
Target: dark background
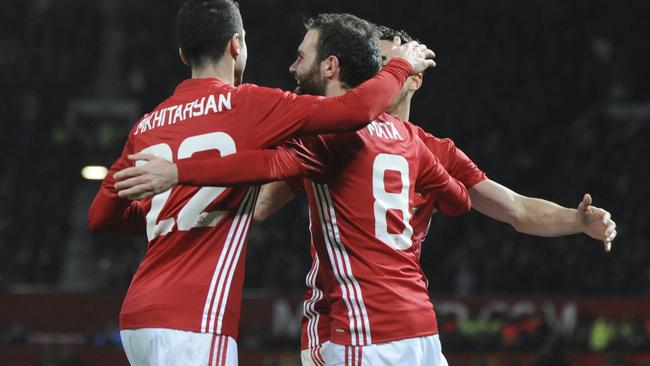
{"x": 551, "y": 99}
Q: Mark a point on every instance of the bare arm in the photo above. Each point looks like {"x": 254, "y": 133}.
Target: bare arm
{"x": 539, "y": 217}
{"x": 273, "y": 197}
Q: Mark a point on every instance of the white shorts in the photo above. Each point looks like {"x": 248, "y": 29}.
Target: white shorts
{"x": 419, "y": 351}
{"x": 171, "y": 347}
{"x": 314, "y": 356}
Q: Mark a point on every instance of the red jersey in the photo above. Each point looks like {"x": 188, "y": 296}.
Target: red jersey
{"x": 315, "y": 322}
{"x": 192, "y": 274}
{"x": 361, "y": 199}
{"x": 361, "y": 190}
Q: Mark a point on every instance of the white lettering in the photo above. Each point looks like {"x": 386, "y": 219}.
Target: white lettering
{"x": 372, "y": 128}
{"x": 395, "y": 133}
{"x": 178, "y": 114}
{"x": 157, "y": 117}
{"x": 212, "y": 104}
{"x": 198, "y": 107}
{"x": 224, "y": 101}
{"x": 187, "y": 112}
{"x": 380, "y": 131}
{"x": 182, "y": 112}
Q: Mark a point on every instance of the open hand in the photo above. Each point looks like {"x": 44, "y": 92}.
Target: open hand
{"x": 150, "y": 176}
{"x": 596, "y": 222}
{"x": 418, "y": 55}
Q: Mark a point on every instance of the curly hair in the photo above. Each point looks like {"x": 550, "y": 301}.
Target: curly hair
{"x": 352, "y": 40}
{"x": 387, "y": 34}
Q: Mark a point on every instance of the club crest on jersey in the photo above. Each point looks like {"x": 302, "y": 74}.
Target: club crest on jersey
{"x": 384, "y": 130}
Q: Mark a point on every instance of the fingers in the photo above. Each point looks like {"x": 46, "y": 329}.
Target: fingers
{"x": 610, "y": 235}
{"x": 131, "y": 182}
{"x": 397, "y": 42}
{"x": 609, "y": 240}
{"x": 141, "y": 156}
{"x": 137, "y": 192}
{"x": 586, "y": 202}
{"x": 606, "y": 217}
{"x": 127, "y": 173}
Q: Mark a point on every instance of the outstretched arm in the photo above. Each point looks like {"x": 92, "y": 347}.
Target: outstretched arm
{"x": 539, "y": 217}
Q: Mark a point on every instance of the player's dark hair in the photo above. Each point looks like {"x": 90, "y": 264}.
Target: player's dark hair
{"x": 204, "y": 27}
{"x": 387, "y": 34}
{"x": 352, "y": 40}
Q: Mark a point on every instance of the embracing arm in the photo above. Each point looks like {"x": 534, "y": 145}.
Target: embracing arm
{"x": 272, "y": 197}
{"x": 111, "y": 214}
{"x": 243, "y": 168}
{"x": 114, "y": 215}
{"x": 539, "y": 217}
{"x": 365, "y": 102}
{"x": 362, "y": 104}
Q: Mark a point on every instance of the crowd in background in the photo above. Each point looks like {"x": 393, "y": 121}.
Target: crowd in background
{"x": 530, "y": 92}
{"x": 547, "y": 98}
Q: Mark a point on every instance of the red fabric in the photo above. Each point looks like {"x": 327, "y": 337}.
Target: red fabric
{"x": 458, "y": 166}
{"x": 246, "y": 167}
{"x": 110, "y": 214}
{"x": 199, "y": 234}
{"x": 345, "y": 174}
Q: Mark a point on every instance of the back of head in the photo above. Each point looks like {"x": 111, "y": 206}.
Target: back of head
{"x": 387, "y": 34}
{"x": 354, "y": 43}
{"x": 204, "y": 28}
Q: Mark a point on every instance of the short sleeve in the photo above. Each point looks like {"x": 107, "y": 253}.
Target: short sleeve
{"x": 455, "y": 161}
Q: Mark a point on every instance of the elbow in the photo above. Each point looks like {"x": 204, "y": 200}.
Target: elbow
{"x": 97, "y": 224}
{"x": 461, "y": 209}
{"x": 259, "y": 217}
{"x": 458, "y": 208}
{"x": 94, "y": 227}
{"x": 518, "y": 221}
{"x": 261, "y": 213}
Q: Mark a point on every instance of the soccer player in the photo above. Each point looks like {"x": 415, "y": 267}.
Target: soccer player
{"x": 361, "y": 189}
{"x": 182, "y": 307}
{"x": 525, "y": 214}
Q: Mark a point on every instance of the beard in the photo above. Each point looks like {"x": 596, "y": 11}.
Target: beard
{"x": 311, "y": 82}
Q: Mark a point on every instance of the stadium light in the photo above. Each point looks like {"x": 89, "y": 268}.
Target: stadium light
{"x": 94, "y": 172}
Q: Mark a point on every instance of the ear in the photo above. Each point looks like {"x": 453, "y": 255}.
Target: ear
{"x": 183, "y": 56}
{"x": 234, "y": 46}
{"x": 416, "y": 81}
{"x": 330, "y": 67}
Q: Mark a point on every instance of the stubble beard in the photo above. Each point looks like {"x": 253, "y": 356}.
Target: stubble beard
{"x": 311, "y": 83}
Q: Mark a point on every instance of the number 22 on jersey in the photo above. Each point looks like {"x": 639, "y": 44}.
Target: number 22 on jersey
{"x": 192, "y": 215}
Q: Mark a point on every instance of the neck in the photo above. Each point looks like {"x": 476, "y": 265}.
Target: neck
{"x": 223, "y": 70}
{"x": 402, "y": 110}
{"x": 334, "y": 89}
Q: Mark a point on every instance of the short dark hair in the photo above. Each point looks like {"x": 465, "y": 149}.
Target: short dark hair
{"x": 387, "y": 34}
{"x": 352, "y": 40}
{"x": 204, "y": 27}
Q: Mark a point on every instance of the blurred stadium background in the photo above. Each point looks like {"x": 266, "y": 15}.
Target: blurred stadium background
{"x": 551, "y": 98}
